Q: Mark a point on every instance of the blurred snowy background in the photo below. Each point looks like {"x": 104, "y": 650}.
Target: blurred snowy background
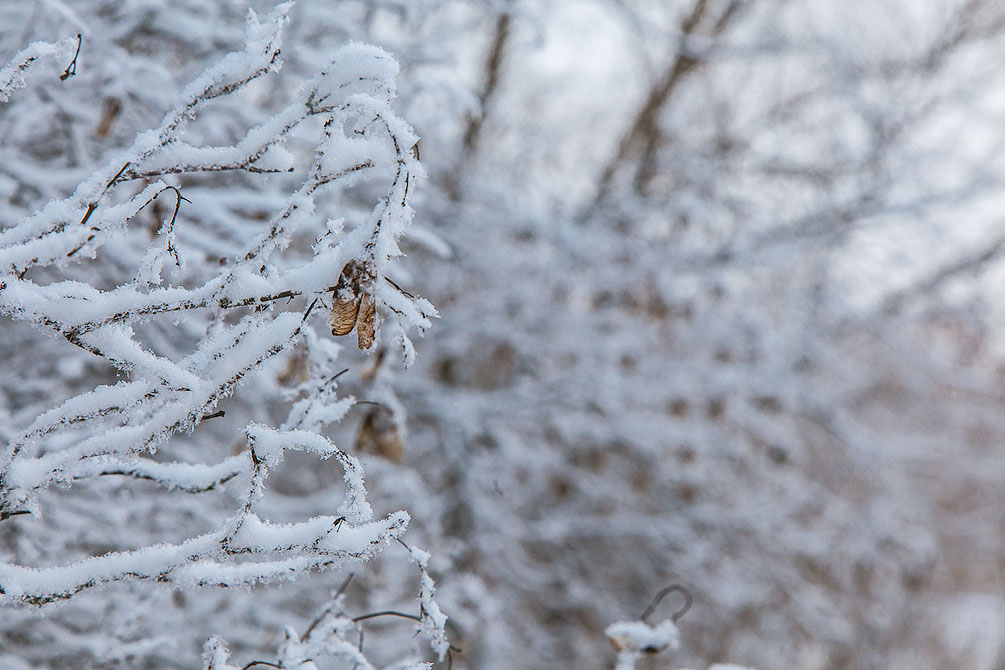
{"x": 718, "y": 285}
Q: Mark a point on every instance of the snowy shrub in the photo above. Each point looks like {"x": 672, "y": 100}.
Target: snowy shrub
{"x": 716, "y": 282}
{"x": 174, "y": 296}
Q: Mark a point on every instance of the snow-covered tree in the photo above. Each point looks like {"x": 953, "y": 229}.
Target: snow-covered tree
{"x": 705, "y": 256}
{"x": 169, "y": 289}
{"x": 705, "y": 270}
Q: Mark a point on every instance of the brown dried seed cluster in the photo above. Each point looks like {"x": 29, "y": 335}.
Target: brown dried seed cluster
{"x": 353, "y": 305}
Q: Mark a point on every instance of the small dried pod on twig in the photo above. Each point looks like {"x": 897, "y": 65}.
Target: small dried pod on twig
{"x": 109, "y": 112}
{"x": 297, "y": 369}
{"x": 368, "y": 374}
{"x": 378, "y": 434}
{"x": 353, "y": 305}
{"x": 345, "y": 302}
{"x": 345, "y": 308}
{"x": 366, "y": 323}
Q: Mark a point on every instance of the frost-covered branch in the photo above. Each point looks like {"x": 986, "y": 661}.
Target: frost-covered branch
{"x": 258, "y": 305}
{"x": 277, "y": 550}
{"x": 12, "y": 75}
{"x": 336, "y": 634}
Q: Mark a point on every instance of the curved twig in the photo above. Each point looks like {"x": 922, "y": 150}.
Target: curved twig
{"x": 374, "y": 615}
{"x": 254, "y": 663}
{"x": 71, "y": 69}
{"x": 676, "y": 616}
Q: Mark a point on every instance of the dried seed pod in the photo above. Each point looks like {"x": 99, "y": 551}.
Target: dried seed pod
{"x": 345, "y": 302}
{"x": 345, "y": 309}
{"x": 368, "y": 374}
{"x": 379, "y": 435}
{"x": 109, "y": 112}
{"x": 353, "y": 305}
{"x": 366, "y": 323}
{"x": 297, "y": 370}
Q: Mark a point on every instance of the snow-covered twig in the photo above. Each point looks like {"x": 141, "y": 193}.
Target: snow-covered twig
{"x": 258, "y": 305}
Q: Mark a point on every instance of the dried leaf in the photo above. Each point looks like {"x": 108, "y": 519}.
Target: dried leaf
{"x": 366, "y": 324}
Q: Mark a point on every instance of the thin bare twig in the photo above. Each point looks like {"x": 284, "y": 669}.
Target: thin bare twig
{"x": 374, "y": 615}
{"x": 254, "y": 663}
{"x": 676, "y": 616}
{"x": 71, "y": 69}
